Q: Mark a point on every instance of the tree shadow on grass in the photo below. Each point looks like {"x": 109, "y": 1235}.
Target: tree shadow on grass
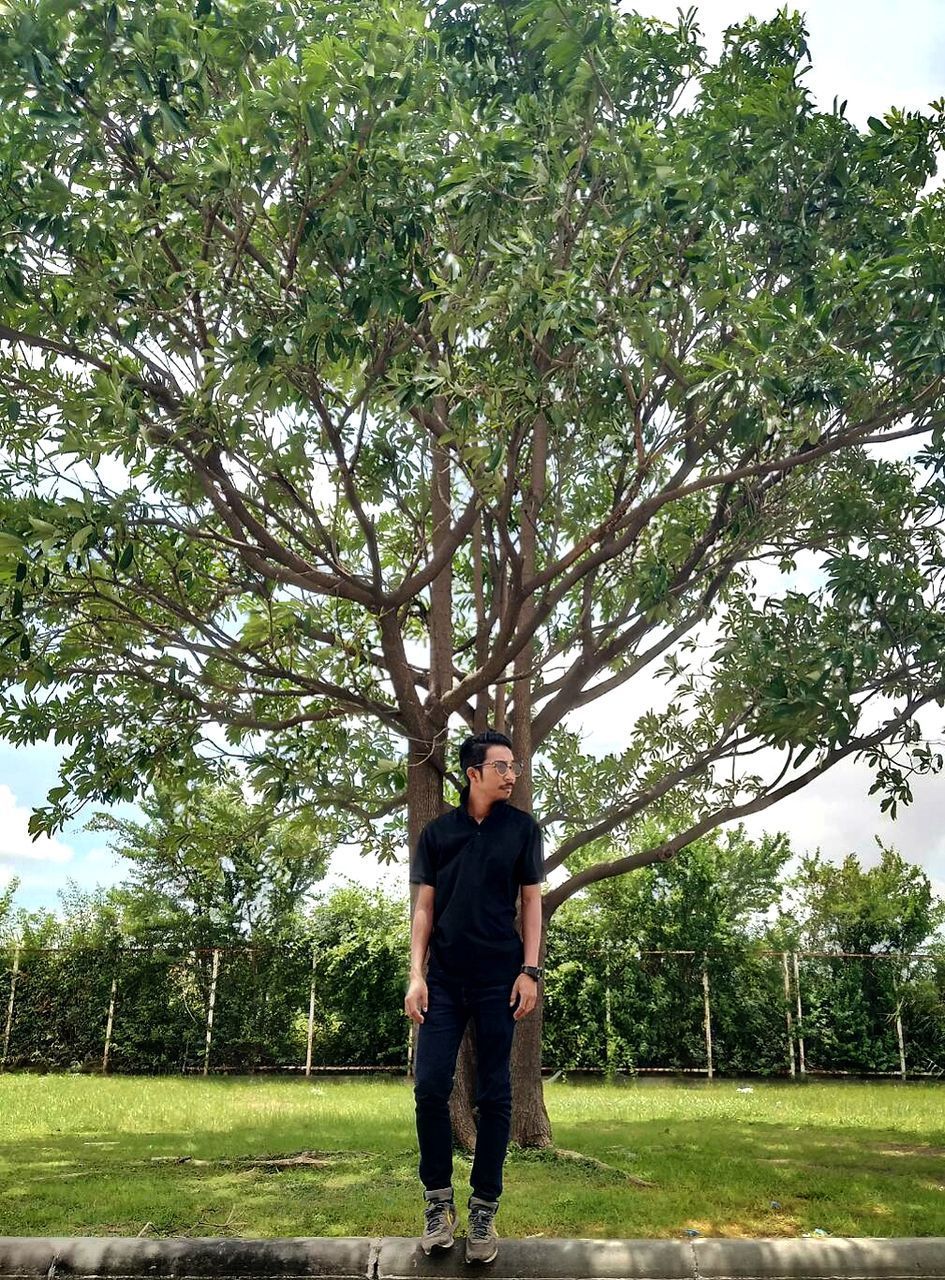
{"x": 728, "y": 1177}
{"x": 720, "y": 1177}
{"x": 68, "y": 1185}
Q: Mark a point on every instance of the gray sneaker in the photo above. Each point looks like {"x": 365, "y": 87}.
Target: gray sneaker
{"x": 440, "y": 1215}
{"x": 482, "y": 1239}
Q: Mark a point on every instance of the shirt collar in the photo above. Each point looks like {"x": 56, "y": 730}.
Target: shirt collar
{"x": 463, "y": 808}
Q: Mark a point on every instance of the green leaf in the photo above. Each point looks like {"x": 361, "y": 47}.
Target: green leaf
{"x": 410, "y": 308}
{"x": 43, "y": 527}
{"x": 388, "y": 766}
{"x": 174, "y": 122}
{"x": 13, "y": 284}
{"x": 495, "y": 457}
{"x": 82, "y": 538}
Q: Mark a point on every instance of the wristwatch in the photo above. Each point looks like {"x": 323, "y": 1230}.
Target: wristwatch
{"x": 534, "y": 971}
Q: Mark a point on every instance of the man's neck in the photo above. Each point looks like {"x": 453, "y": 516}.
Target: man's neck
{"x": 477, "y": 808}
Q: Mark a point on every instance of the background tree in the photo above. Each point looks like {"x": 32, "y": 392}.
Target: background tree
{"x": 611, "y": 1001}
{"x": 213, "y": 883}
{"x": 372, "y": 374}
{"x": 6, "y": 907}
{"x": 361, "y": 940}
{"x": 212, "y": 867}
{"x": 608, "y": 993}
{"x": 879, "y": 916}
{"x": 844, "y": 906}
{"x": 209, "y": 869}
{"x": 65, "y": 968}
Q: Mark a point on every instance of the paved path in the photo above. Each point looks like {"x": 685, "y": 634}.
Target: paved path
{"x": 396, "y": 1258}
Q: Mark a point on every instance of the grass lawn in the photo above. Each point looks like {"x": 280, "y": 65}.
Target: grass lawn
{"x": 122, "y": 1155}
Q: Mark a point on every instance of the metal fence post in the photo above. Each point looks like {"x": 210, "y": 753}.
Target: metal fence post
{"x": 6, "y": 1034}
{"x": 608, "y": 1017}
{"x": 902, "y": 1044}
{"x": 899, "y": 1035}
{"x": 802, "y": 1064}
{"x": 787, "y": 1013}
{"x": 210, "y": 1006}
{"x": 311, "y": 1020}
{"x": 111, "y": 1023}
{"x": 708, "y": 1014}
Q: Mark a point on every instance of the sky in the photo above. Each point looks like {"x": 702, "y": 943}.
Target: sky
{"x": 873, "y": 53}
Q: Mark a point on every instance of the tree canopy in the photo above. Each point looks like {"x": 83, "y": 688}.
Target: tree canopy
{"x": 844, "y": 906}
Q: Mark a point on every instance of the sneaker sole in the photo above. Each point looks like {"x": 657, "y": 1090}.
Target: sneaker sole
{"x": 483, "y": 1261}
{"x": 436, "y": 1248}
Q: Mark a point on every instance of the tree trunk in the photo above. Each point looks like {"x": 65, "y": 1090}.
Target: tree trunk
{"x": 441, "y": 588}
{"x": 424, "y": 787}
{"x": 481, "y": 712}
{"x": 530, "y": 1124}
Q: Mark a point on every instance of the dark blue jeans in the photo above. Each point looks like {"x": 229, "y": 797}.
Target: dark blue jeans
{"x": 450, "y": 1006}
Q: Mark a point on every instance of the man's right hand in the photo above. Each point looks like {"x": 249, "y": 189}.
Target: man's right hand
{"x": 415, "y": 1001}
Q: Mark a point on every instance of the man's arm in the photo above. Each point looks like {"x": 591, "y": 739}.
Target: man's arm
{"x": 415, "y": 1001}
{"x": 525, "y": 991}
{"x": 531, "y": 922}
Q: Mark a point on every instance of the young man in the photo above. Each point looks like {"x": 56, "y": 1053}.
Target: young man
{"x": 470, "y": 865}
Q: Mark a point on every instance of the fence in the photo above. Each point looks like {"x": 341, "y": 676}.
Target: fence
{"x": 751, "y": 1011}
{"x": 794, "y": 1014}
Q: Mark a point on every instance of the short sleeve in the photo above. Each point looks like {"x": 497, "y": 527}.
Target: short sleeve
{"x": 423, "y": 865}
{"x": 532, "y": 861}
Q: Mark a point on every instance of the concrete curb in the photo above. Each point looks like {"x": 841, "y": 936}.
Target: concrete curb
{"x": 397, "y": 1258}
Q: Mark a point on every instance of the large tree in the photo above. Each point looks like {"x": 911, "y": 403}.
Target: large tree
{"x": 375, "y": 373}
{"x": 211, "y": 866}
{"x": 889, "y": 908}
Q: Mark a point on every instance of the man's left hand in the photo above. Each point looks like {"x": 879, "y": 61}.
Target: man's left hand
{"x": 525, "y": 992}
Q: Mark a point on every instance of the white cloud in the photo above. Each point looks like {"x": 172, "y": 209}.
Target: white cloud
{"x": 837, "y": 815}
{"x": 101, "y": 856}
{"x": 347, "y": 864}
{"x": 16, "y": 843}
{"x": 99, "y": 868}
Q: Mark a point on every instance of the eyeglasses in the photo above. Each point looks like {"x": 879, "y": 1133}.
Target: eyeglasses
{"x": 502, "y": 767}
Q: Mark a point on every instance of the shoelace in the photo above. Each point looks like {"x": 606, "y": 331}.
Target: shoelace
{"x": 480, "y": 1222}
{"x": 436, "y": 1215}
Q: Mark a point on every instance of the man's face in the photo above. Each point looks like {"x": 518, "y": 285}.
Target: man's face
{"x": 488, "y": 780}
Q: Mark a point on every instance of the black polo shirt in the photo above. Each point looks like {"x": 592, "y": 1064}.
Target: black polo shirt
{"x": 476, "y": 869}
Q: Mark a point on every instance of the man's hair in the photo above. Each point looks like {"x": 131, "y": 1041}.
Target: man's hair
{"x": 473, "y": 751}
